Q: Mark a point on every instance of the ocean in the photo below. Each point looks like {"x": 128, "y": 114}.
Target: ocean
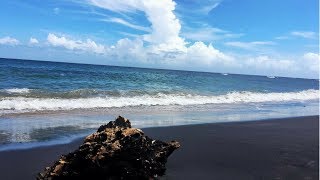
{"x": 45, "y": 103}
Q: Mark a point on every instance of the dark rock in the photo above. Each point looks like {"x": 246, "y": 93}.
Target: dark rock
{"x": 119, "y": 122}
{"x": 115, "y": 151}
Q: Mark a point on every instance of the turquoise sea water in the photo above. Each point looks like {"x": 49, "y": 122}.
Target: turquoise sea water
{"x": 48, "y": 102}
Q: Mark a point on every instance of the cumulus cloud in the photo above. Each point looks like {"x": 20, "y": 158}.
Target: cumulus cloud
{"x": 208, "y": 55}
{"x": 88, "y": 45}
{"x": 304, "y": 34}
{"x": 200, "y": 56}
{"x": 269, "y": 63}
{"x": 9, "y": 41}
{"x": 163, "y": 45}
{"x": 194, "y": 55}
{"x": 33, "y": 41}
{"x": 126, "y": 49}
{"x": 300, "y": 66}
{"x": 165, "y": 26}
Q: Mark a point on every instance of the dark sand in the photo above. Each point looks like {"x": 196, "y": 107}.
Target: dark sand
{"x": 279, "y": 149}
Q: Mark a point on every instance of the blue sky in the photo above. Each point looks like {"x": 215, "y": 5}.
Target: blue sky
{"x": 267, "y": 37}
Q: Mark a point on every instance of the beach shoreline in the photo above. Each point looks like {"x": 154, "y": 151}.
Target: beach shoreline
{"x": 264, "y": 149}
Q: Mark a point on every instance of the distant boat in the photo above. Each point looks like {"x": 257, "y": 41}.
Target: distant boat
{"x": 271, "y": 77}
{"x": 225, "y": 74}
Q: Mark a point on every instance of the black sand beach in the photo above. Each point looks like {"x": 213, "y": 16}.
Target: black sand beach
{"x": 270, "y": 149}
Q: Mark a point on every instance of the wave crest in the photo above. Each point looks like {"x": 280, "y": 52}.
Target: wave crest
{"x": 18, "y": 90}
{"x": 14, "y": 104}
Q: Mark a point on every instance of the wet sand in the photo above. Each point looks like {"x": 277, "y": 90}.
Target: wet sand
{"x": 268, "y": 149}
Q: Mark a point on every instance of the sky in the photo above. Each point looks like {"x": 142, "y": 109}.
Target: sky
{"x": 265, "y": 37}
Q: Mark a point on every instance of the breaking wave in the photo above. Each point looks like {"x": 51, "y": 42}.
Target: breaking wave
{"x": 17, "y": 90}
{"x": 16, "y": 104}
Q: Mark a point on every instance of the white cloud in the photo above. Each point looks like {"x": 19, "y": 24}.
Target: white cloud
{"x": 116, "y": 6}
{"x": 164, "y": 42}
{"x": 200, "y": 56}
{"x": 135, "y": 52}
{"x": 311, "y": 56}
{"x": 206, "y": 9}
{"x": 312, "y": 61}
{"x": 305, "y": 34}
{"x": 70, "y": 44}
{"x": 126, "y": 50}
{"x": 306, "y": 65}
{"x": 282, "y": 37}
{"x": 33, "y": 41}
{"x": 129, "y": 34}
{"x": 163, "y": 45}
{"x": 198, "y": 7}
{"x": 249, "y": 45}
{"x": 165, "y": 27}
{"x": 262, "y": 43}
{"x": 207, "y": 34}
{"x": 269, "y": 63}
{"x": 208, "y": 55}
{"x": 196, "y": 54}
{"x": 9, "y": 41}
{"x": 128, "y": 24}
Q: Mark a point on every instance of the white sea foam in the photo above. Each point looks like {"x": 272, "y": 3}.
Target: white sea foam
{"x": 40, "y": 104}
{"x": 18, "y": 90}
{"x": 271, "y": 77}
